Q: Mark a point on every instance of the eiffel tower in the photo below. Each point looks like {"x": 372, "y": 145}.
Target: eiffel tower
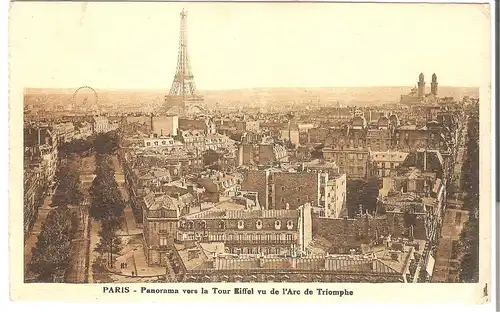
{"x": 183, "y": 98}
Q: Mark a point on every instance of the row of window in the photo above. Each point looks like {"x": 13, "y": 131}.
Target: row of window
{"x": 156, "y": 143}
{"x": 241, "y": 224}
{"x": 259, "y": 250}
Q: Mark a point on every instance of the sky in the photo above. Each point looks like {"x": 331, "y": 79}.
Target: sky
{"x": 248, "y": 45}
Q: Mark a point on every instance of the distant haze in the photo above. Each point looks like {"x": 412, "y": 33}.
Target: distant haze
{"x": 256, "y": 97}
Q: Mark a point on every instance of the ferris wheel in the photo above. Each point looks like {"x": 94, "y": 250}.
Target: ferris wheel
{"x": 85, "y": 99}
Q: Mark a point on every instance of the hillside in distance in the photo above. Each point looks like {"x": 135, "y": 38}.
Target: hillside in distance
{"x": 257, "y": 97}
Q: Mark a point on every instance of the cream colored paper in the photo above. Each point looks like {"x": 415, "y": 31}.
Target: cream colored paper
{"x": 134, "y": 46}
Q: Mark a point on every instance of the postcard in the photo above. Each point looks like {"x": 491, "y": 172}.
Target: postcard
{"x": 327, "y": 152}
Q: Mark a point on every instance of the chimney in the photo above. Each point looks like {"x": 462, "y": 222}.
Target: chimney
{"x": 425, "y": 160}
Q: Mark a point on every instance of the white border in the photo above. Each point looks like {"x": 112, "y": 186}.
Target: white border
{"x": 128, "y": 306}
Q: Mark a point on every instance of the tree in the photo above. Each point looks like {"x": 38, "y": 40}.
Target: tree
{"x": 52, "y": 249}
{"x": 106, "y": 199}
{"x": 353, "y": 196}
{"x": 79, "y": 147}
{"x": 109, "y": 242}
{"x": 68, "y": 190}
{"x": 469, "y": 237}
{"x": 106, "y": 143}
{"x": 369, "y": 195}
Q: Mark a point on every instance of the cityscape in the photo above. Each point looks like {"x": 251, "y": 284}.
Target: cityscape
{"x": 354, "y": 184}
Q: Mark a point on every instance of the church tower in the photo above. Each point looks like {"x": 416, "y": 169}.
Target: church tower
{"x": 421, "y": 86}
{"x": 434, "y": 85}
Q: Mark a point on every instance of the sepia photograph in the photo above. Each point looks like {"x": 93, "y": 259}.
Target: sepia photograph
{"x": 295, "y": 143}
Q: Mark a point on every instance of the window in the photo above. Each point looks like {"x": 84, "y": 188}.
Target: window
{"x": 277, "y": 224}
{"x": 282, "y": 199}
{"x": 240, "y": 224}
{"x": 289, "y": 224}
{"x": 163, "y": 241}
{"x": 283, "y": 188}
{"x": 298, "y": 200}
{"x": 203, "y": 224}
{"x": 156, "y": 142}
{"x": 148, "y": 143}
{"x": 360, "y": 156}
{"x": 258, "y": 224}
{"x": 222, "y": 225}
{"x": 163, "y": 142}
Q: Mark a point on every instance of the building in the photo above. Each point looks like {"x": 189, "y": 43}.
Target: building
{"x": 279, "y": 189}
{"x": 41, "y": 147}
{"x": 35, "y": 186}
{"x": 334, "y": 197}
{"x": 203, "y": 253}
{"x": 165, "y": 125}
{"x": 206, "y": 125}
{"x": 270, "y": 153}
{"x": 83, "y": 130}
{"x": 244, "y": 229}
{"x": 218, "y": 184}
{"x": 192, "y": 139}
{"x": 161, "y": 141}
{"x": 65, "y": 131}
{"x": 418, "y": 188}
{"x": 241, "y": 126}
{"x": 217, "y": 142}
{"x": 160, "y": 218}
{"x": 101, "y": 124}
{"x": 354, "y": 162}
{"x": 264, "y": 153}
{"x": 385, "y": 164}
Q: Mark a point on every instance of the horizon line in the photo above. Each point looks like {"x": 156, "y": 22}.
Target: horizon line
{"x": 244, "y": 88}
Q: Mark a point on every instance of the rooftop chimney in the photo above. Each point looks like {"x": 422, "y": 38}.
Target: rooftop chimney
{"x": 425, "y": 160}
